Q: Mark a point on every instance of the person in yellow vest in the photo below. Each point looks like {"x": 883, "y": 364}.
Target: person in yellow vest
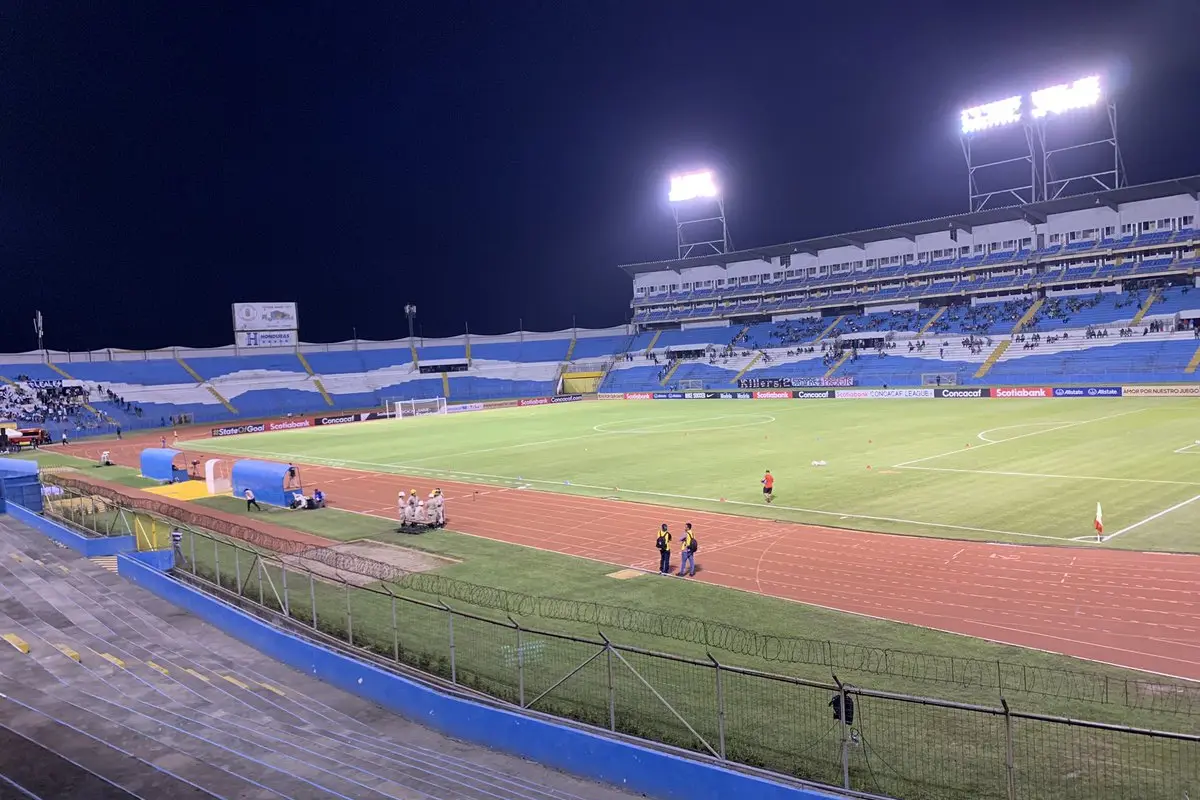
{"x": 663, "y": 543}
{"x": 687, "y": 552}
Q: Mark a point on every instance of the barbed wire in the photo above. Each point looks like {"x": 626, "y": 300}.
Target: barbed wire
{"x": 843, "y": 657}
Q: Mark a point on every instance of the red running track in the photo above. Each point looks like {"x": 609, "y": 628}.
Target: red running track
{"x": 1137, "y": 610}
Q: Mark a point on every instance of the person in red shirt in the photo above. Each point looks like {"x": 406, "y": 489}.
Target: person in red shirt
{"x": 768, "y": 483}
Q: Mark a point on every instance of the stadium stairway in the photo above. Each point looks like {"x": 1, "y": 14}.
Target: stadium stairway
{"x": 828, "y": 330}
{"x": 221, "y": 399}
{"x": 446, "y": 385}
{"x": 143, "y": 700}
{"x": 674, "y": 367}
{"x": 1150, "y": 301}
{"x": 60, "y": 370}
{"x": 324, "y": 393}
{"x": 1029, "y": 314}
{"x": 837, "y": 365}
{"x": 734, "y": 380}
{"x": 925, "y": 328}
{"x": 188, "y": 369}
{"x": 304, "y": 363}
{"x": 1194, "y": 363}
{"x": 991, "y": 360}
{"x": 654, "y": 341}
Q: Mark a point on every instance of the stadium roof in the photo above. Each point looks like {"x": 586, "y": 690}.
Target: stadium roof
{"x": 1034, "y": 213}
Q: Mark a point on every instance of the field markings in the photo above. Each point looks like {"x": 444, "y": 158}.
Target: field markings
{"x": 1054, "y": 476}
{"x": 483, "y": 476}
{"x": 992, "y": 443}
{"x": 1190, "y": 448}
{"x": 1151, "y": 518}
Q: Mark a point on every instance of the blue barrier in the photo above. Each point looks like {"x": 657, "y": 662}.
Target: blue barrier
{"x": 161, "y": 560}
{"x": 85, "y": 546}
{"x": 580, "y": 752}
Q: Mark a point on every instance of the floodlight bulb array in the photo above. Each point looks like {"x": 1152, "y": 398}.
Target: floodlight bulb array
{"x": 692, "y": 186}
{"x": 991, "y": 115}
{"x": 1082, "y": 93}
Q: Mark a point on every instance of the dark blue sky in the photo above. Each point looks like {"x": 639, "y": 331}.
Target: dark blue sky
{"x": 493, "y": 161}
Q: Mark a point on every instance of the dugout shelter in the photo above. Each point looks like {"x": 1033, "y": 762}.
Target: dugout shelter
{"x": 158, "y": 464}
{"x": 264, "y": 478}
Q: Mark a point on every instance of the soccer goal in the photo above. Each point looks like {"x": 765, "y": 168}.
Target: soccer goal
{"x": 939, "y": 378}
{"x": 691, "y": 386}
{"x": 417, "y": 407}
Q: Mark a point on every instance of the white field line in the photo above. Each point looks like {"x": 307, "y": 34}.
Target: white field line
{"x": 488, "y": 477}
{"x": 1152, "y": 517}
{"x": 1054, "y": 476}
{"x": 1188, "y": 448}
{"x": 990, "y": 443}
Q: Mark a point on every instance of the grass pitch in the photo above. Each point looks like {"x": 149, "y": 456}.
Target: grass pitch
{"x": 1023, "y": 471}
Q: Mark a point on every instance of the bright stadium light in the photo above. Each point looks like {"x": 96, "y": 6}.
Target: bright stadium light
{"x": 991, "y": 115}
{"x": 1083, "y": 93}
{"x": 693, "y": 186}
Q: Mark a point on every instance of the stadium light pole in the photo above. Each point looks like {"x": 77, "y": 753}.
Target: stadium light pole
{"x": 410, "y": 312}
{"x": 699, "y": 211}
{"x": 39, "y": 330}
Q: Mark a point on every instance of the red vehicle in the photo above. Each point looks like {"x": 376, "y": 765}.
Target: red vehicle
{"x": 28, "y": 437}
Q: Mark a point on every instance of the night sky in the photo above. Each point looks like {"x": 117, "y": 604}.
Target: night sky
{"x": 495, "y": 161}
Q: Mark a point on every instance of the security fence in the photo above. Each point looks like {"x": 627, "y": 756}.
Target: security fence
{"x": 885, "y": 743}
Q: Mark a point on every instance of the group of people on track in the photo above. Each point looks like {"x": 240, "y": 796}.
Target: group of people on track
{"x": 414, "y": 511}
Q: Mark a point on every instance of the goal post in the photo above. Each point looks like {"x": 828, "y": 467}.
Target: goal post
{"x": 416, "y": 407}
{"x": 690, "y": 385}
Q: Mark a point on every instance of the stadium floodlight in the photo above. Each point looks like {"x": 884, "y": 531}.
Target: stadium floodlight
{"x": 1083, "y": 93}
{"x": 693, "y": 186}
{"x": 991, "y": 115}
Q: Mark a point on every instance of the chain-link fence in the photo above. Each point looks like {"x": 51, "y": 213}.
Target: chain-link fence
{"x": 896, "y": 745}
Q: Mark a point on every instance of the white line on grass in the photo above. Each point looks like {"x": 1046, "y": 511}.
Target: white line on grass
{"x": 1054, "y": 476}
{"x": 1188, "y": 448}
{"x": 483, "y": 476}
{"x": 989, "y": 443}
{"x": 1152, "y": 517}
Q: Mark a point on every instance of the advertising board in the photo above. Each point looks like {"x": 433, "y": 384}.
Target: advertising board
{"x": 249, "y": 340}
{"x": 611, "y": 396}
{"x": 265, "y": 317}
{"x": 882, "y": 394}
{"x": 961, "y": 394}
{"x": 459, "y": 408}
{"x": 1178, "y": 390}
{"x": 1087, "y": 391}
{"x": 1021, "y": 391}
{"x": 262, "y": 427}
{"x": 813, "y": 394}
{"x": 772, "y": 395}
{"x": 793, "y": 383}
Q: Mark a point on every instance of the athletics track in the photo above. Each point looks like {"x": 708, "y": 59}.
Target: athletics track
{"x": 1130, "y": 609}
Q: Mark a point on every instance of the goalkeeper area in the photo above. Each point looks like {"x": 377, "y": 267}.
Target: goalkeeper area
{"x": 1015, "y": 471}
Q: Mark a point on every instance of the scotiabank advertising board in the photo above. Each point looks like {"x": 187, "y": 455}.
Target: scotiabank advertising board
{"x": 772, "y": 395}
{"x": 262, "y": 427}
{"x": 545, "y": 401}
{"x": 1022, "y": 391}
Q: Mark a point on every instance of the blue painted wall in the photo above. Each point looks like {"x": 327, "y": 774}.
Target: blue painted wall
{"x": 90, "y": 548}
{"x": 656, "y": 774}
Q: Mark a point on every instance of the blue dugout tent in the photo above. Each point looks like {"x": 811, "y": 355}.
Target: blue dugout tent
{"x": 19, "y": 484}
{"x": 158, "y": 464}
{"x": 264, "y": 478}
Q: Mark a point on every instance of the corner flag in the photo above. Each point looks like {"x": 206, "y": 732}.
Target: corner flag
{"x": 1099, "y": 520}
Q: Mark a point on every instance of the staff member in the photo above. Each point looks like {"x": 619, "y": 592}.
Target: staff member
{"x": 663, "y": 543}
{"x": 768, "y": 483}
{"x": 177, "y": 545}
{"x": 250, "y": 501}
{"x": 687, "y": 552}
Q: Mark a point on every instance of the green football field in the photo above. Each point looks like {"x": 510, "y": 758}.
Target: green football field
{"x": 1030, "y": 471}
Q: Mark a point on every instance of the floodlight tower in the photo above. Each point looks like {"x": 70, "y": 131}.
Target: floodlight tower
{"x": 1000, "y": 146}
{"x": 699, "y": 210}
{"x": 410, "y": 311}
{"x": 1076, "y": 125}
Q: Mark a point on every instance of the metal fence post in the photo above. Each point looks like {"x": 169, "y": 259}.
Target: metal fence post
{"x": 612, "y": 688}
{"x": 520, "y": 663}
{"x": 720, "y": 705}
{"x": 237, "y": 569}
{"x": 192, "y": 547}
{"x": 286, "y": 609}
{"x": 217, "y": 561}
{"x": 453, "y": 665}
{"x": 1009, "y": 759}
{"x": 845, "y": 733}
{"x": 258, "y": 568}
{"x": 312, "y": 596}
{"x": 349, "y": 616}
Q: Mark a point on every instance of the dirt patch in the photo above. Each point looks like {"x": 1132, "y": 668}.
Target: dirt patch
{"x": 402, "y": 560}
{"x": 625, "y": 574}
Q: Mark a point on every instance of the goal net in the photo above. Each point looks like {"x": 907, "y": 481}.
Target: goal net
{"x": 939, "y": 378}
{"x": 691, "y": 385}
{"x": 217, "y": 476}
{"x": 417, "y": 407}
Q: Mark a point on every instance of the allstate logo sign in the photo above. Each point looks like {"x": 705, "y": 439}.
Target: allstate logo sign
{"x": 1089, "y": 391}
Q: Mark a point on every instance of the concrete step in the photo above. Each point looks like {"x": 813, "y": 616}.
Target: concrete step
{"x": 298, "y": 738}
{"x": 43, "y": 773}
